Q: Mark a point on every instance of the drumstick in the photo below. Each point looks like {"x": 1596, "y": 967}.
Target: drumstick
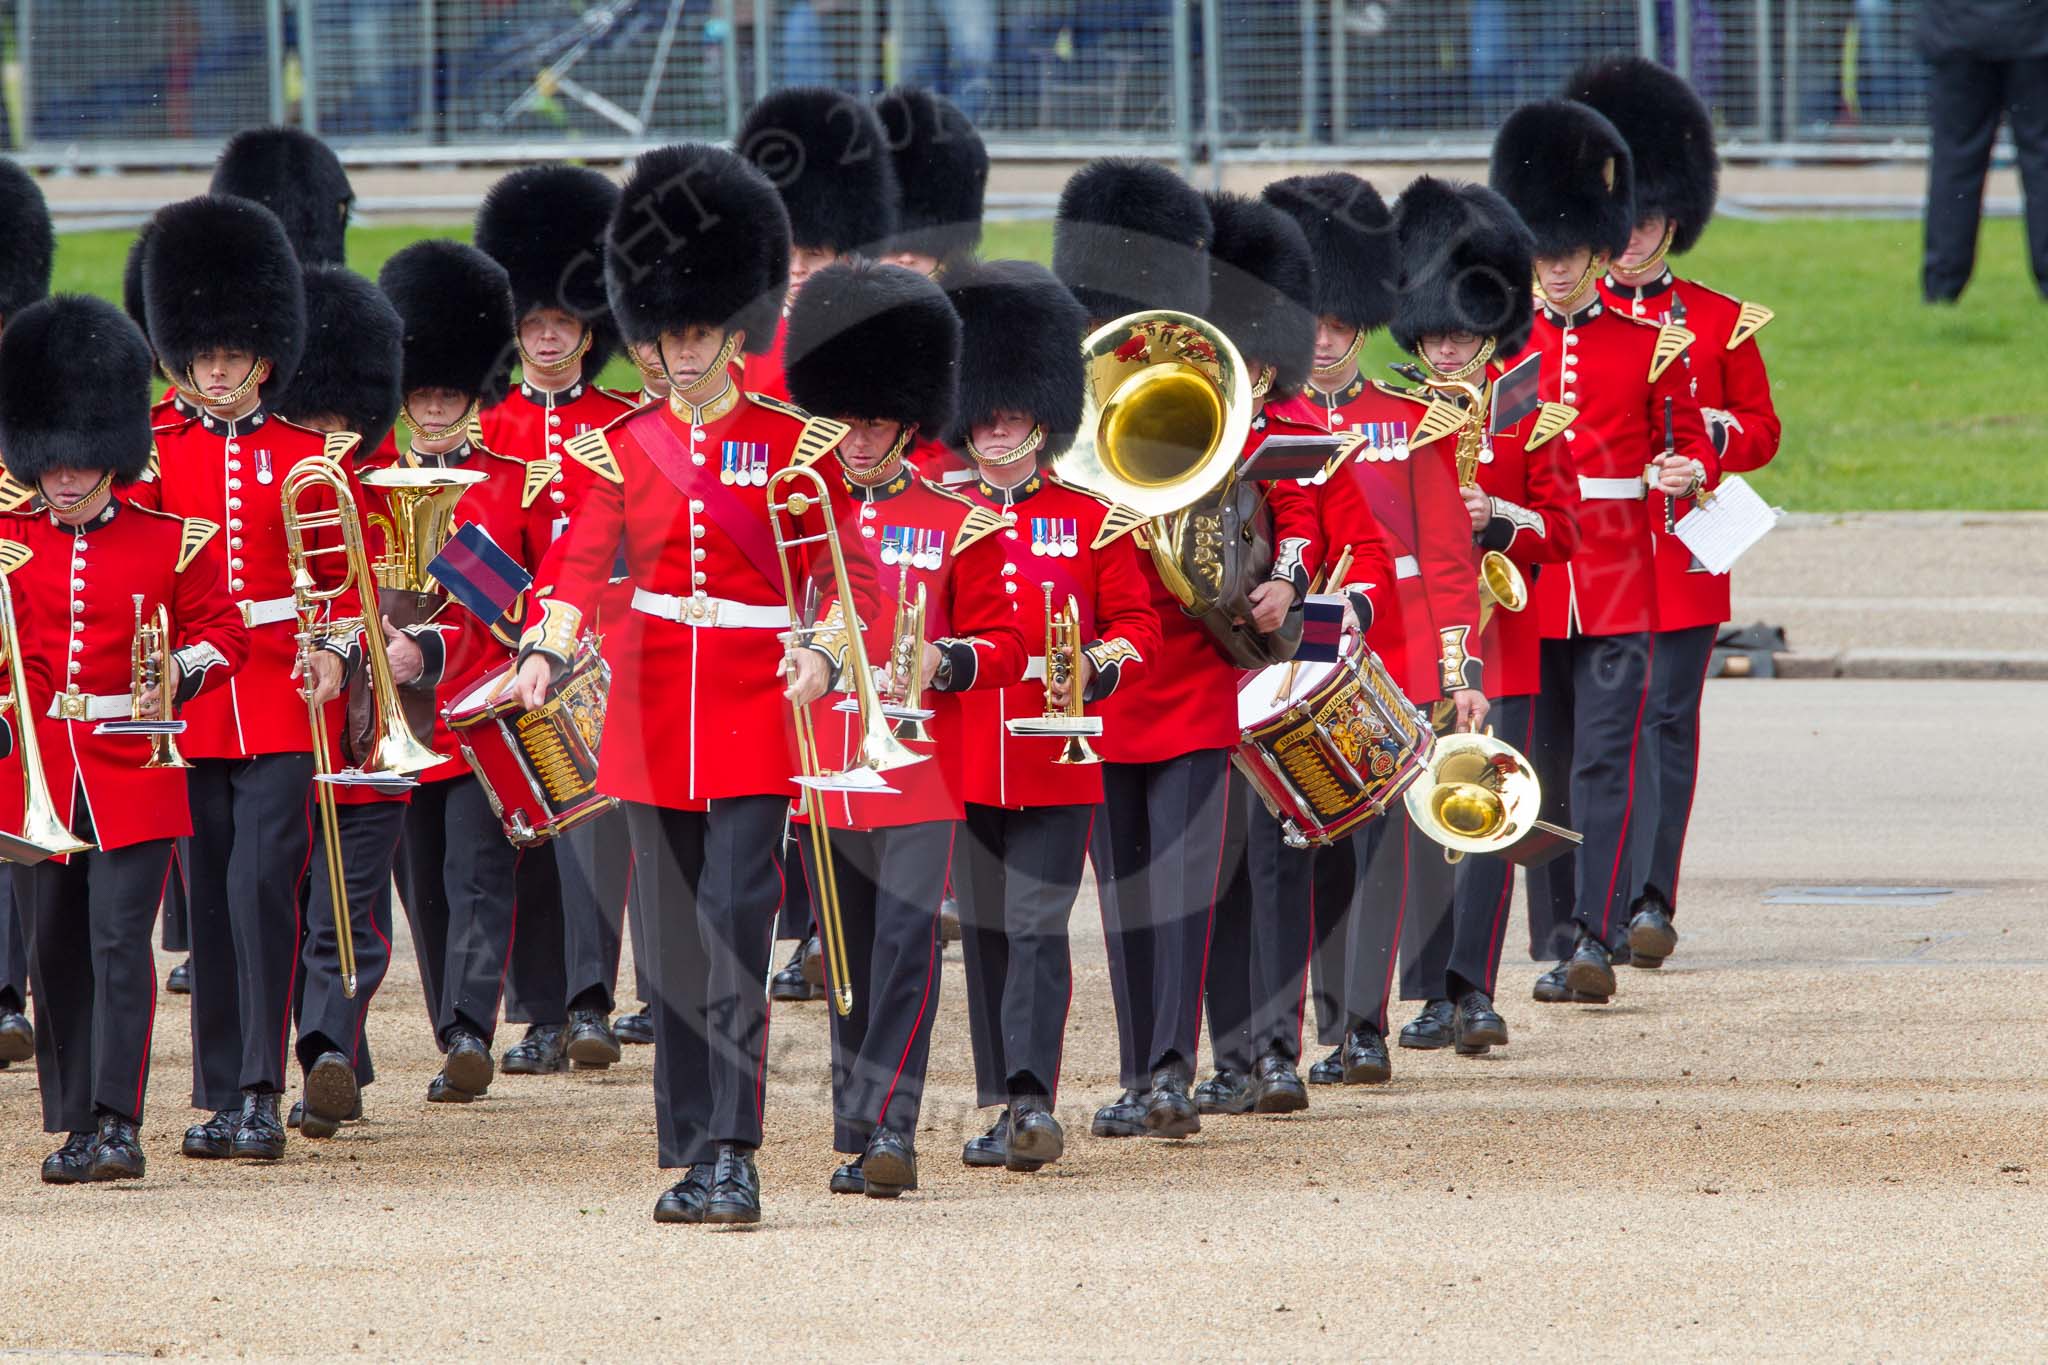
{"x": 1315, "y": 586}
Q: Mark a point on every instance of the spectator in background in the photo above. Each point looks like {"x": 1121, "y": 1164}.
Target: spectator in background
{"x": 1990, "y": 62}
{"x": 950, "y": 46}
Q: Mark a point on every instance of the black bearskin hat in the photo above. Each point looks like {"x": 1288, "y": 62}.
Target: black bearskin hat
{"x": 825, "y": 153}
{"x": 456, "y": 305}
{"x": 297, "y": 177}
{"x": 74, "y": 390}
{"x": 31, "y": 242}
{"x": 1020, "y": 349}
{"x": 1670, "y": 135}
{"x": 874, "y": 341}
{"x": 1568, "y": 173}
{"x": 545, "y": 225}
{"x": 219, "y": 272}
{"x": 941, "y": 173}
{"x": 1262, "y": 288}
{"x": 1351, "y": 239}
{"x": 1129, "y": 236}
{"x": 699, "y": 240}
{"x": 1466, "y": 263}
{"x": 355, "y": 352}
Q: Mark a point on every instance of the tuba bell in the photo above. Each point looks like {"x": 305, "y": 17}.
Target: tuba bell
{"x": 1167, "y": 408}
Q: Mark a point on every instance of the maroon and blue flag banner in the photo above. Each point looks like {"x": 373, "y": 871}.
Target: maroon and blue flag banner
{"x": 478, "y": 574}
{"x": 1322, "y": 630}
{"x": 1514, "y": 394}
{"x": 1292, "y": 457}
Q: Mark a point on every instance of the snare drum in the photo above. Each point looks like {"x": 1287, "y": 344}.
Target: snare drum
{"x": 1329, "y": 748}
{"x": 538, "y": 767}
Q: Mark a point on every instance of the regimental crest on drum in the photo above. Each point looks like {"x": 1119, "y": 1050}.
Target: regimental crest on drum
{"x": 744, "y": 462}
{"x": 913, "y": 545}
{"x": 1383, "y": 440}
{"x": 1057, "y": 537}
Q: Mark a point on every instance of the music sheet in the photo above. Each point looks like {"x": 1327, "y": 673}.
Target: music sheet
{"x": 1718, "y": 532}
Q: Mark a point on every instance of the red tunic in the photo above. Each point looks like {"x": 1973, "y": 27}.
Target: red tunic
{"x": 696, "y": 711}
{"x": 1728, "y": 380}
{"x": 1534, "y": 497}
{"x": 232, "y": 474}
{"x": 1427, "y": 638}
{"x": 1600, "y": 362}
{"x": 74, "y": 602}
{"x": 945, "y": 541}
{"x": 1119, "y": 626}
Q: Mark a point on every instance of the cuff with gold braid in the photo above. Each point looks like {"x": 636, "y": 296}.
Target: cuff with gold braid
{"x": 1288, "y": 566}
{"x": 1460, "y": 668}
{"x": 830, "y": 638}
{"x": 554, "y": 635}
{"x": 1106, "y": 658}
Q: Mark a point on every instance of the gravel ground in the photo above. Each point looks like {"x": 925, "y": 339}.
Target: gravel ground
{"x": 1819, "y": 1132}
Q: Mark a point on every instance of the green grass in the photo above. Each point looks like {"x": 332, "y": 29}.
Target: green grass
{"x": 1886, "y": 403}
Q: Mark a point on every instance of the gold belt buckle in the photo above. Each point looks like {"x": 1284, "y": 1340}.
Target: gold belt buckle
{"x": 74, "y": 706}
{"x": 701, "y": 611}
{"x": 248, "y": 610}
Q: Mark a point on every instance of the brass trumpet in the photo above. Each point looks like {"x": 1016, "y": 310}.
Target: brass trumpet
{"x": 793, "y": 493}
{"x": 906, "y": 659}
{"x": 149, "y": 666}
{"x": 43, "y": 834}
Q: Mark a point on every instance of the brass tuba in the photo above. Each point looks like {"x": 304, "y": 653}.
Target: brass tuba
{"x": 1166, "y": 412}
{"x": 43, "y": 834}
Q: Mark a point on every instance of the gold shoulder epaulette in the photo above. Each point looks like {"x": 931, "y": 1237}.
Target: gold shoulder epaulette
{"x": 1121, "y": 521}
{"x": 594, "y": 450}
{"x": 781, "y": 405}
{"x": 13, "y": 554}
{"x": 1443, "y": 419}
{"x": 154, "y": 470}
{"x": 1351, "y": 445}
{"x": 197, "y": 532}
{"x": 1672, "y": 341}
{"x": 539, "y": 473}
{"x": 1749, "y": 320}
{"x": 980, "y": 524}
{"x": 819, "y": 435}
{"x": 1392, "y": 390}
{"x": 339, "y": 445}
{"x": 1551, "y": 418}
{"x": 14, "y": 495}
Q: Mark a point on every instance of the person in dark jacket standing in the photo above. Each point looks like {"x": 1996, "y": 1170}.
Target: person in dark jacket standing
{"x": 1989, "y": 61}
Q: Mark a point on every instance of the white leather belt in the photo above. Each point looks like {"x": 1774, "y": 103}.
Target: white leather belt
{"x": 85, "y": 706}
{"x": 1405, "y": 566}
{"x": 1610, "y": 490}
{"x": 1034, "y": 668}
{"x": 710, "y": 611}
{"x": 268, "y": 613}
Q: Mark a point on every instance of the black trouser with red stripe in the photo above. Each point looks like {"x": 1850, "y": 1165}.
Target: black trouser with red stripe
{"x": 459, "y": 877}
{"x": 1401, "y": 871}
{"x": 596, "y": 863}
{"x": 537, "y": 984}
{"x": 708, "y": 888}
{"x": 890, "y": 883}
{"x": 252, "y": 835}
{"x": 1447, "y": 950}
{"x": 86, "y": 925}
{"x": 328, "y": 1019}
{"x": 13, "y": 953}
{"x": 1018, "y": 873}
{"x": 1671, "y": 739}
{"x": 1588, "y": 724}
{"x": 1157, "y": 846}
{"x": 177, "y": 936}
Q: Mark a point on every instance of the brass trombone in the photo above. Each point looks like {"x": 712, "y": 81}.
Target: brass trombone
{"x": 43, "y": 834}
{"x": 149, "y": 666}
{"x": 793, "y": 493}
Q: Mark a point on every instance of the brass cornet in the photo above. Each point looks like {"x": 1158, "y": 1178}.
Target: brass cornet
{"x": 43, "y": 834}
{"x": 794, "y": 493}
{"x": 906, "y": 660}
{"x": 149, "y": 663}
{"x": 1066, "y": 720}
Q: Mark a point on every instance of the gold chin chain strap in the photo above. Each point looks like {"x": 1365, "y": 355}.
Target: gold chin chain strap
{"x": 1025, "y": 449}
{"x": 676, "y": 390}
{"x": 574, "y": 357}
{"x": 1264, "y": 383}
{"x": 1596, "y": 266}
{"x": 192, "y": 395}
{"x": 427, "y": 433}
{"x": 1349, "y": 357}
{"x": 887, "y": 469}
{"x": 1469, "y": 368}
{"x": 1647, "y": 268}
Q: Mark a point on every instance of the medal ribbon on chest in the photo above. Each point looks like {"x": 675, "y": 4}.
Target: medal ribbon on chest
{"x": 1383, "y": 440}
{"x": 743, "y": 462}
{"x": 1055, "y": 537}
